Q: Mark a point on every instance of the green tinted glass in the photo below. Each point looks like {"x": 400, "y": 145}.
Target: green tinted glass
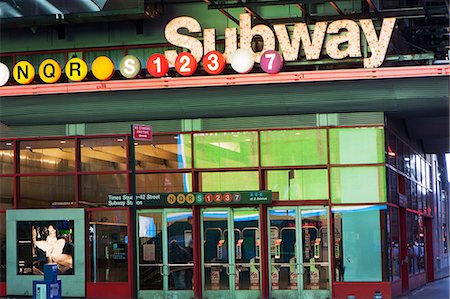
{"x": 298, "y": 184}
{"x": 356, "y": 145}
{"x": 225, "y": 149}
{"x": 358, "y": 184}
{"x": 293, "y": 147}
{"x": 229, "y": 181}
{"x": 357, "y": 231}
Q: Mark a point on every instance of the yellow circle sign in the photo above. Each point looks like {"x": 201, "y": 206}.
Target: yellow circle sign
{"x": 24, "y": 72}
{"x": 76, "y": 69}
{"x": 171, "y": 198}
{"x": 181, "y": 198}
{"x": 190, "y": 198}
{"x": 49, "y": 71}
{"x": 103, "y": 68}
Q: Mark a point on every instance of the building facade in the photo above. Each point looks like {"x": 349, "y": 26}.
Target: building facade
{"x": 325, "y": 172}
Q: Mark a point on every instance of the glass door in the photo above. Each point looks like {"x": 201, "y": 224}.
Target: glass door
{"x": 165, "y": 253}
{"x": 299, "y": 252}
{"x": 231, "y": 261}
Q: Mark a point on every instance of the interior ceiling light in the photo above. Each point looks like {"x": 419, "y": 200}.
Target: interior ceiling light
{"x": 62, "y": 142}
{"x": 8, "y": 143}
{"x": 119, "y": 139}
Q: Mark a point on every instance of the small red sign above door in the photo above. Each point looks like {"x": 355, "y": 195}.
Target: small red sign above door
{"x": 142, "y": 132}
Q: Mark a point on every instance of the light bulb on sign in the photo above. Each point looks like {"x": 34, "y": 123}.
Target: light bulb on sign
{"x": 242, "y": 61}
{"x": 4, "y": 74}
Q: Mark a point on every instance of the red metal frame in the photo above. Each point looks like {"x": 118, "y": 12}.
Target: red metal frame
{"x": 3, "y": 283}
{"x": 227, "y": 80}
{"x": 109, "y": 289}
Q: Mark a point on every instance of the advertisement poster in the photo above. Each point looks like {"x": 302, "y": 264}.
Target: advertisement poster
{"x": 42, "y": 242}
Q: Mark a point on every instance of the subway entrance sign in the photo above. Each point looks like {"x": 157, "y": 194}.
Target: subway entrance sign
{"x": 176, "y": 199}
{"x": 142, "y": 132}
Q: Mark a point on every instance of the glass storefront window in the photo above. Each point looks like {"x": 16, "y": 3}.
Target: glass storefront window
{"x": 391, "y": 149}
{"x": 395, "y": 243}
{"x": 358, "y": 184}
{"x": 103, "y": 154}
{"x": 358, "y": 250}
{"x": 229, "y": 181}
{"x": 96, "y": 187}
{"x": 226, "y": 149}
{"x": 356, "y": 145}
{"x": 2, "y": 246}
{"x": 164, "y": 152}
{"x": 298, "y": 184}
{"x": 47, "y": 156}
{"x": 108, "y": 245}
{"x": 164, "y": 182}
{"x": 6, "y": 192}
{"x": 46, "y": 191}
{"x": 293, "y": 147}
{"x": 6, "y": 157}
{"x": 392, "y": 186}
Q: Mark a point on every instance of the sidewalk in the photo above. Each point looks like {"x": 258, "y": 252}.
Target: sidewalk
{"x": 435, "y": 290}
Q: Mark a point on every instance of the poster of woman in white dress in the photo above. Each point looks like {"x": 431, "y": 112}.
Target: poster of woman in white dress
{"x": 42, "y": 242}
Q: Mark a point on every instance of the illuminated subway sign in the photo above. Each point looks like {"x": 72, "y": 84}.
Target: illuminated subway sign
{"x": 341, "y": 32}
{"x": 340, "y": 39}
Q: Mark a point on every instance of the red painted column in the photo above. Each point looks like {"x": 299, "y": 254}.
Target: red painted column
{"x": 429, "y": 256}
{"x": 196, "y": 250}
{"x": 404, "y": 260}
{"x": 264, "y": 248}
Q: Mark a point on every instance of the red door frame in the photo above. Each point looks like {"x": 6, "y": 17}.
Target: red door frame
{"x": 404, "y": 260}
{"x": 109, "y": 289}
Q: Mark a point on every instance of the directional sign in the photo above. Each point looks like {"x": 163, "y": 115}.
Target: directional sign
{"x": 176, "y": 199}
{"x": 142, "y": 132}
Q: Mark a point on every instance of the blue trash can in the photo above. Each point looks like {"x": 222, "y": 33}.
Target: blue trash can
{"x": 50, "y": 287}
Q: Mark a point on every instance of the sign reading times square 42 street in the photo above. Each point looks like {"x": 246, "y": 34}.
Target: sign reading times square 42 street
{"x": 191, "y": 198}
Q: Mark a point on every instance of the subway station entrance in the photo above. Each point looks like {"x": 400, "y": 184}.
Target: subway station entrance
{"x": 230, "y": 250}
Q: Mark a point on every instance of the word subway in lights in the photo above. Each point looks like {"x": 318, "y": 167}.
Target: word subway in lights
{"x": 341, "y": 39}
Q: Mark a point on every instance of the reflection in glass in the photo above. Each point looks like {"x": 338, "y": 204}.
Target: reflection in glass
{"x": 357, "y": 247}
{"x": 103, "y": 154}
{"x": 164, "y": 152}
{"x": 298, "y": 184}
{"x": 293, "y": 147}
{"x": 6, "y": 157}
{"x": 215, "y": 250}
{"x": 229, "y": 181}
{"x": 95, "y": 188}
{"x": 226, "y": 149}
{"x": 6, "y": 192}
{"x": 150, "y": 251}
{"x": 179, "y": 235}
{"x": 47, "y": 156}
{"x": 108, "y": 246}
{"x": 395, "y": 249}
{"x": 164, "y": 182}
{"x": 45, "y": 191}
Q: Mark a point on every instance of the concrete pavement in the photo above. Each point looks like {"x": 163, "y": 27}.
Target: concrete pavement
{"x": 439, "y": 289}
